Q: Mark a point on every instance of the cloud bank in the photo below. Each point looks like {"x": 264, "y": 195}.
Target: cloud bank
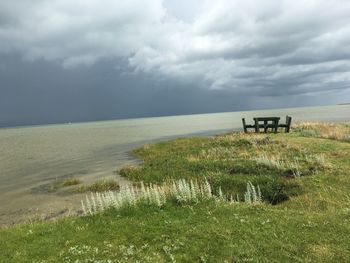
{"x": 265, "y": 48}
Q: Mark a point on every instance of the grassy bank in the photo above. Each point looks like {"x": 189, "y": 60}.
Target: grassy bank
{"x": 305, "y": 217}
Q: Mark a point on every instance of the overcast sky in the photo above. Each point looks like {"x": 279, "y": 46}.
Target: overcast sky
{"x": 67, "y": 61}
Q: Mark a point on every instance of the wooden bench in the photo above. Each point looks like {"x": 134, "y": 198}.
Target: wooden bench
{"x": 267, "y": 123}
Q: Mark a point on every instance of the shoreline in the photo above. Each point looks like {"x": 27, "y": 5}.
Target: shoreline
{"x": 165, "y": 116}
{"x": 35, "y": 157}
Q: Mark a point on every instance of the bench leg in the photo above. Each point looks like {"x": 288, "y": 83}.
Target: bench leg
{"x": 265, "y": 127}
{"x": 276, "y": 127}
{"x": 286, "y": 129}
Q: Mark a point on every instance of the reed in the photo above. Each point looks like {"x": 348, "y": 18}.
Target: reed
{"x": 280, "y": 163}
{"x": 252, "y": 195}
{"x": 180, "y": 191}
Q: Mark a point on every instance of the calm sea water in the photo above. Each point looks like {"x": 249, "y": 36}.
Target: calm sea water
{"x": 33, "y": 157}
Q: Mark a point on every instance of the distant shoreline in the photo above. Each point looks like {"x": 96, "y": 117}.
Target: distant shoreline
{"x": 151, "y": 117}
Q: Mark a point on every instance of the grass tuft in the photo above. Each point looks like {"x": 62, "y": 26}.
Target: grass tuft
{"x": 100, "y": 186}
{"x": 71, "y": 181}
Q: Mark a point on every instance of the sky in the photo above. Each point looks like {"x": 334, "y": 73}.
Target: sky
{"x": 86, "y": 60}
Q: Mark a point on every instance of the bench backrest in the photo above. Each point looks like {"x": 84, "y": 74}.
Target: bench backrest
{"x": 288, "y": 120}
{"x": 288, "y": 123}
{"x": 244, "y": 125}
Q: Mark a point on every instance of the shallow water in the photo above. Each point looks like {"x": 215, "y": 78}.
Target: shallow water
{"x": 32, "y": 158}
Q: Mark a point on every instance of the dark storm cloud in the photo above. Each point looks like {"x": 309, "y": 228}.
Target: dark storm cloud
{"x": 110, "y": 59}
{"x": 43, "y": 92}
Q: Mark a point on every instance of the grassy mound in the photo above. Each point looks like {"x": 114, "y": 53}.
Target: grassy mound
{"x": 274, "y": 162}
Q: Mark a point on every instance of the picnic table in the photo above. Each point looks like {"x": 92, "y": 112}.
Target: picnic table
{"x": 268, "y": 123}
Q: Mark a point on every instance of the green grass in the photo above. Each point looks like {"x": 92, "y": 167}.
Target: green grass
{"x": 206, "y": 232}
{"x": 306, "y": 217}
{"x": 100, "y": 186}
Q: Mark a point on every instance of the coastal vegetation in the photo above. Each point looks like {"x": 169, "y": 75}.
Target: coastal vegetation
{"x": 71, "y": 181}
{"x": 324, "y": 130}
{"x": 178, "y": 192}
{"x": 58, "y": 185}
{"x": 234, "y": 197}
{"x": 99, "y": 186}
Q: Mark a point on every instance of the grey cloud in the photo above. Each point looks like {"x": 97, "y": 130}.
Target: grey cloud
{"x": 212, "y": 50}
{"x": 78, "y": 32}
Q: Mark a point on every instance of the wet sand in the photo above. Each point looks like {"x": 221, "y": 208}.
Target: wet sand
{"x": 32, "y": 159}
